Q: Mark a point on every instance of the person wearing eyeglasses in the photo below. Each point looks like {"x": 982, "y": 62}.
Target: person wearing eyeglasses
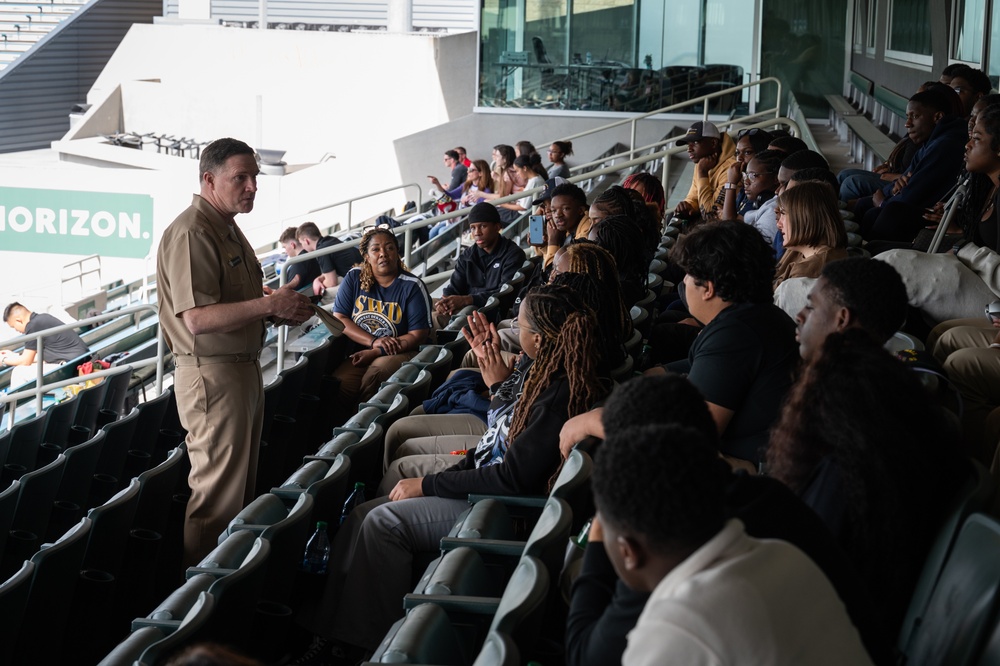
{"x": 970, "y": 85}
{"x": 760, "y": 182}
{"x": 735, "y": 203}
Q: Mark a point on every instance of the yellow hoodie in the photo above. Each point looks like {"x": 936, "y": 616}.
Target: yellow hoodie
{"x": 706, "y": 193}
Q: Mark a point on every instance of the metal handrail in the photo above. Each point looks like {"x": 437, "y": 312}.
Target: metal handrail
{"x": 41, "y": 388}
{"x": 350, "y": 202}
{"x": 680, "y": 105}
{"x": 722, "y": 126}
{"x": 409, "y": 228}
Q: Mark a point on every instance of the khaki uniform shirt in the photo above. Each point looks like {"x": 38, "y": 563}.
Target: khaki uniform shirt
{"x": 203, "y": 260}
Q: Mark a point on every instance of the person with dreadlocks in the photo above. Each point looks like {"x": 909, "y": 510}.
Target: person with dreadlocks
{"x": 418, "y": 444}
{"x": 593, "y": 260}
{"x": 386, "y": 312}
{"x": 376, "y": 548}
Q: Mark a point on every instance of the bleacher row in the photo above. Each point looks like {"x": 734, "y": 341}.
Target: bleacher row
{"x": 86, "y": 471}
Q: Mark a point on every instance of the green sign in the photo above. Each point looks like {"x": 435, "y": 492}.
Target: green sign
{"x": 69, "y": 222}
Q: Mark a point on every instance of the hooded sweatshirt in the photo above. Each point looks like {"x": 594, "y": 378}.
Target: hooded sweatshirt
{"x": 705, "y": 193}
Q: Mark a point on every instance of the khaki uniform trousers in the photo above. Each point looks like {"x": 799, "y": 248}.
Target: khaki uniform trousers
{"x": 221, "y": 405}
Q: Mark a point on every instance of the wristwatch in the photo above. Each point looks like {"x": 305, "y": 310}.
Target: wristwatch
{"x": 730, "y": 186}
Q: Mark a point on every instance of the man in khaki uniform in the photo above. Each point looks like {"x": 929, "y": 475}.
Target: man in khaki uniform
{"x": 212, "y": 309}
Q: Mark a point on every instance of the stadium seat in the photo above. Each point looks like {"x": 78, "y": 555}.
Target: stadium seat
{"x": 117, "y": 390}
{"x": 491, "y": 309}
{"x": 319, "y": 358}
{"x": 424, "y": 636}
{"x": 151, "y": 415}
{"x": 36, "y": 497}
{"x": 61, "y": 417}
{"x": 114, "y": 452}
{"x": 57, "y": 570}
{"x": 624, "y": 371}
{"x": 436, "y": 360}
{"x": 293, "y": 379}
{"x": 331, "y": 449}
{"x": 156, "y": 487}
{"x": 13, "y": 602}
{"x": 327, "y": 483}
{"x": 4, "y": 447}
{"x": 974, "y": 496}
{"x": 190, "y": 630}
{"x": 654, "y": 283}
{"x": 129, "y": 650}
{"x": 365, "y": 454}
{"x": 91, "y": 400}
{"x": 285, "y": 530}
{"x": 73, "y": 495}
{"x": 547, "y": 540}
{"x": 646, "y": 301}
{"x": 25, "y": 439}
{"x": 8, "y": 503}
{"x": 499, "y": 649}
{"x": 518, "y": 613}
{"x": 272, "y": 450}
{"x": 417, "y": 389}
{"x": 111, "y": 522}
{"x": 964, "y": 607}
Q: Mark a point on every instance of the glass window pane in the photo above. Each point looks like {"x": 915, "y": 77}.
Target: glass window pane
{"x": 872, "y": 16}
{"x": 910, "y": 27}
{"x": 967, "y": 41}
{"x": 994, "y": 66}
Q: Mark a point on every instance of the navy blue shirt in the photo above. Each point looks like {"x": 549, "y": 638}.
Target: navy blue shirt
{"x": 403, "y": 306}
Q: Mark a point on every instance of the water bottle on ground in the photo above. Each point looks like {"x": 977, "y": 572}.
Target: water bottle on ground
{"x": 317, "y": 554}
{"x": 356, "y": 497}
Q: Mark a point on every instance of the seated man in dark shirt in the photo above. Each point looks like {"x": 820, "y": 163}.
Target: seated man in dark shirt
{"x": 308, "y": 270}
{"x": 743, "y": 360}
{"x": 333, "y": 266}
{"x": 491, "y": 261}
{"x": 56, "y": 348}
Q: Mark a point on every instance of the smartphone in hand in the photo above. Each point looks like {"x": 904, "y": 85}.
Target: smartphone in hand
{"x": 536, "y": 229}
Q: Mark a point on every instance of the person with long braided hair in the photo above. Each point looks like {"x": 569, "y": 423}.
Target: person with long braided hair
{"x": 592, "y": 259}
{"x": 386, "y": 312}
{"x": 376, "y": 548}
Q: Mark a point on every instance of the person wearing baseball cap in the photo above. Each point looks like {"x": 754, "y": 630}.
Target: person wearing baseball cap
{"x": 713, "y": 152}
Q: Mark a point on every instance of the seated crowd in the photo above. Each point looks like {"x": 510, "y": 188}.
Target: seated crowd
{"x": 770, "y": 430}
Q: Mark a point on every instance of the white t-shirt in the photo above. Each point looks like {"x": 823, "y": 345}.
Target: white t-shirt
{"x": 740, "y": 600}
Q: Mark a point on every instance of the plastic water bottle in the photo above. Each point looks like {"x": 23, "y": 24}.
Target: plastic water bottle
{"x": 317, "y": 554}
{"x": 356, "y": 497}
{"x": 590, "y": 58}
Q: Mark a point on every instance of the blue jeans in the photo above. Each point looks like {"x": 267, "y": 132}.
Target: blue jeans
{"x": 857, "y": 183}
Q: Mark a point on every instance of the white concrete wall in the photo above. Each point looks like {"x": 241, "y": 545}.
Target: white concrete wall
{"x": 350, "y": 94}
